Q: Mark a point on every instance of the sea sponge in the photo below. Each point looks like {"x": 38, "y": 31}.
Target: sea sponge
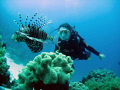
{"x": 49, "y": 68}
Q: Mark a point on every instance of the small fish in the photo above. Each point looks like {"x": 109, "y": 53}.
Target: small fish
{"x": 119, "y": 63}
{"x": 32, "y": 33}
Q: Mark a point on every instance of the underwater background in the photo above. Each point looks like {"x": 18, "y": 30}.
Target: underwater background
{"x": 97, "y": 21}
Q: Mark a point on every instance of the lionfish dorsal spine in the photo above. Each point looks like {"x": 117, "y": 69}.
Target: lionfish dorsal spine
{"x": 20, "y": 19}
{"x": 26, "y": 20}
{"x": 32, "y": 18}
{"x": 17, "y": 23}
{"x": 45, "y": 23}
{"x": 50, "y": 21}
{"x": 40, "y": 17}
{"x": 37, "y": 21}
{"x": 50, "y": 38}
{"x": 43, "y": 19}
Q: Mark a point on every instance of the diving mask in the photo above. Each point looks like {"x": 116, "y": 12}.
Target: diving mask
{"x": 65, "y": 31}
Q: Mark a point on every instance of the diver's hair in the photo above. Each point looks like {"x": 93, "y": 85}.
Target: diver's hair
{"x": 66, "y": 25}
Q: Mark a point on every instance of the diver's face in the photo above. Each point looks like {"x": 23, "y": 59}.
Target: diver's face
{"x": 64, "y": 33}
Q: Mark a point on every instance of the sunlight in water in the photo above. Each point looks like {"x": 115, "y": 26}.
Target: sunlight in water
{"x": 14, "y": 68}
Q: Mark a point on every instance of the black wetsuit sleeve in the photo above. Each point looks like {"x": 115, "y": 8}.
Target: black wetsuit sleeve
{"x": 88, "y": 47}
{"x": 92, "y": 50}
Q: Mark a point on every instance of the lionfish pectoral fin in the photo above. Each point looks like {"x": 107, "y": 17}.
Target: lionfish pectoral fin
{"x": 36, "y": 39}
{"x": 40, "y": 40}
{"x": 24, "y": 34}
{"x": 34, "y": 46}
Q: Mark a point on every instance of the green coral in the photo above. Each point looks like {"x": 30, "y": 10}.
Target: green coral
{"x": 102, "y": 80}
{"x": 2, "y": 50}
{"x": 109, "y": 84}
{"x": 78, "y": 86}
{"x": 4, "y": 73}
{"x": 98, "y": 75}
{"x": 49, "y": 68}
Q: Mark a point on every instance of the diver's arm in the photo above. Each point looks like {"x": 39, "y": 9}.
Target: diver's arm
{"x": 91, "y": 49}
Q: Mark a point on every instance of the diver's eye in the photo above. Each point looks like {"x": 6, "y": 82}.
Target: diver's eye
{"x": 61, "y": 32}
{"x": 66, "y": 31}
{"x": 17, "y": 33}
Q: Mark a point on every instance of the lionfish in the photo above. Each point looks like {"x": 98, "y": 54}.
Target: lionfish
{"x": 32, "y": 33}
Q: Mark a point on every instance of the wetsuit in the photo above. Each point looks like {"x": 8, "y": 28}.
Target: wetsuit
{"x": 75, "y": 48}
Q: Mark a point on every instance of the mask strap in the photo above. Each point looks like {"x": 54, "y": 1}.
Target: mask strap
{"x": 53, "y": 31}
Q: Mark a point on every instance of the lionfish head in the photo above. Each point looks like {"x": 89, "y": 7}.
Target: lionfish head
{"x": 16, "y": 36}
{"x": 19, "y": 36}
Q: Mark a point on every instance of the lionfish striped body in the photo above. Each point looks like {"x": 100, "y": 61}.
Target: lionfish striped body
{"x": 32, "y": 33}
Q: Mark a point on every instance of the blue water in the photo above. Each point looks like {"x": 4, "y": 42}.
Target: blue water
{"x": 97, "y": 21}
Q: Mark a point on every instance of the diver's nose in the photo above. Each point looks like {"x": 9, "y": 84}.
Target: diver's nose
{"x": 63, "y": 34}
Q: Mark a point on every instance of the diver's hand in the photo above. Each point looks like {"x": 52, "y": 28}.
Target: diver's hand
{"x": 101, "y": 56}
{"x": 57, "y": 52}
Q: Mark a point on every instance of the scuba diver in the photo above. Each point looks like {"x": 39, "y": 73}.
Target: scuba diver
{"x": 72, "y": 44}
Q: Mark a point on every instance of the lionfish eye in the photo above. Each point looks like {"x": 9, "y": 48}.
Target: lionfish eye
{"x": 16, "y": 32}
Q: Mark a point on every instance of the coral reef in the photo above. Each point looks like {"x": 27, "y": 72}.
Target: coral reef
{"x": 4, "y": 73}
{"x": 3, "y": 88}
{"x": 102, "y": 80}
{"x": 47, "y": 69}
{"x": 78, "y": 86}
{"x": 98, "y": 75}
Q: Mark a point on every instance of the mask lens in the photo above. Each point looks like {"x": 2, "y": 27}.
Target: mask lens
{"x": 63, "y": 31}
{"x": 66, "y": 31}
